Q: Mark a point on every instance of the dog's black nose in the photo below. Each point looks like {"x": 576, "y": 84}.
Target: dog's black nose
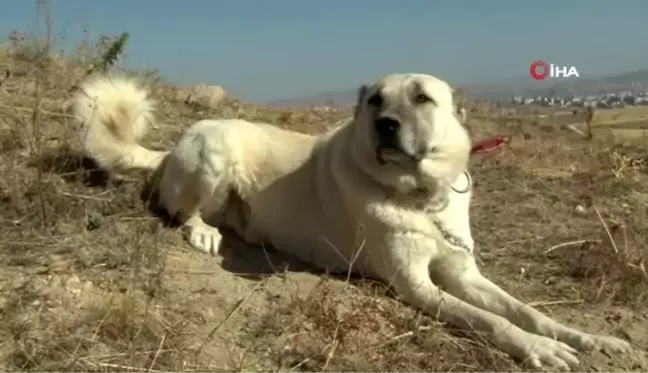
{"x": 387, "y": 129}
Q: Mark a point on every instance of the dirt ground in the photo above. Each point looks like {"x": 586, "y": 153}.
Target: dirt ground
{"x": 92, "y": 280}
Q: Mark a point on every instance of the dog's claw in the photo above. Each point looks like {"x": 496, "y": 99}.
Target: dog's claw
{"x": 605, "y": 343}
{"x": 544, "y": 352}
{"x": 205, "y": 238}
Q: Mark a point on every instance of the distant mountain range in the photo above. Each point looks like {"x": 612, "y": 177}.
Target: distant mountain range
{"x": 502, "y": 90}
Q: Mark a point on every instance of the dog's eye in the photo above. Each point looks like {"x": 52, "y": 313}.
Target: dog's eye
{"x": 375, "y": 100}
{"x": 422, "y": 98}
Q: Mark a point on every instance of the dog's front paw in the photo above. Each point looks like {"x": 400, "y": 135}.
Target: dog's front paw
{"x": 588, "y": 342}
{"x": 603, "y": 342}
{"x": 541, "y": 352}
{"x": 205, "y": 238}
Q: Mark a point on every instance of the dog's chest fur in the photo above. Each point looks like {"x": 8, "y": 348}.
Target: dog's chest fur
{"x": 413, "y": 230}
{"x": 428, "y": 216}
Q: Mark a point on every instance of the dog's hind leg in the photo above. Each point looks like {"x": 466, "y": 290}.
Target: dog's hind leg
{"x": 459, "y": 275}
{"x": 197, "y": 181}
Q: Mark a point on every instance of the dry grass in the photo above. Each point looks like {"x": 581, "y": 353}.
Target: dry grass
{"x": 92, "y": 280}
{"x": 611, "y": 117}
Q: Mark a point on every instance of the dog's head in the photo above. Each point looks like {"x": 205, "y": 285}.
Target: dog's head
{"x": 410, "y": 132}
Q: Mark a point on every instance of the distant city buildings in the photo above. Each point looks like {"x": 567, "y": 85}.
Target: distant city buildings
{"x": 603, "y": 100}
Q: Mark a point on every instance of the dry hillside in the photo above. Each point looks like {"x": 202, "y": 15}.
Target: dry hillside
{"x": 92, "y": 280}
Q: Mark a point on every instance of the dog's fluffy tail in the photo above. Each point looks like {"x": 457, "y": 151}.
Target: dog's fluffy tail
{"x": 115, "y": 114}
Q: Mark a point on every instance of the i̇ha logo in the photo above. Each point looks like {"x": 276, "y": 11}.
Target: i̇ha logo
{"x": 540, "y": 70}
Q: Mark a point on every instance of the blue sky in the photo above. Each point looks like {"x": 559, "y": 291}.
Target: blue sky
{"x": 265, "y": 50}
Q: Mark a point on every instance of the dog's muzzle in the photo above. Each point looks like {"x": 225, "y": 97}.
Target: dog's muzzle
{"x": 389, "y": 142}
{"x": 387, "y": 129}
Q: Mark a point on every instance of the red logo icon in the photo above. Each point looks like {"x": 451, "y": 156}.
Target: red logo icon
{"x": 539, "y": 70}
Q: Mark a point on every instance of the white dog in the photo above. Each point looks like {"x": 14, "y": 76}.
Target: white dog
{"x": 385, "y": 195}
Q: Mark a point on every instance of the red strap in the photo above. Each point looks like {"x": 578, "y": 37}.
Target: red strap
{"x": 488, "y": 145}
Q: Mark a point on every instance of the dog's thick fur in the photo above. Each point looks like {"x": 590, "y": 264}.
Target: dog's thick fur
{"x": 375, "y": 196}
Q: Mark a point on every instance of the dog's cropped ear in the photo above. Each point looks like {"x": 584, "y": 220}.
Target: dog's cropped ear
{"x": 462, "y": 115}
{"x": 363, "y": 91}
{"x": 459, "y": 104}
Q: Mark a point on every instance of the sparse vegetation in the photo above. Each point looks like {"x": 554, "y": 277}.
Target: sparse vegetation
{"x": 110, "y": 51}
{"x": 589, "y": 112}
{"x": 92, "y": 280}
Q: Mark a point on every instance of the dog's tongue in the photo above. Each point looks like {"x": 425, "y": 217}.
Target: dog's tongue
{"x": 488, "y": 145}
